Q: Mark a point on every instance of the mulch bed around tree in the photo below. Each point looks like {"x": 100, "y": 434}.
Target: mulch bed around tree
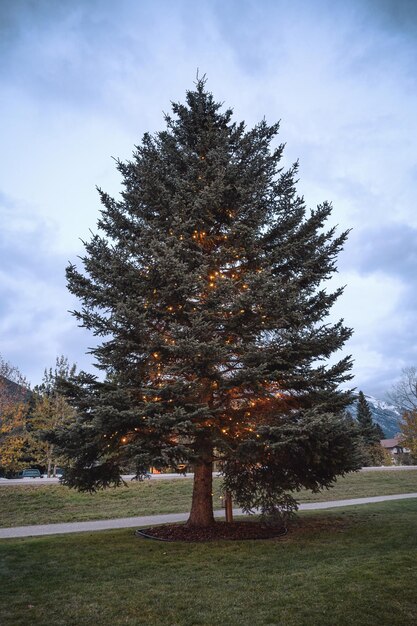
{"x": 219, "y": 530}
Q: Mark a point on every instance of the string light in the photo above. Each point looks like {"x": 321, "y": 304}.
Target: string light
{"x": 236, "y": 399}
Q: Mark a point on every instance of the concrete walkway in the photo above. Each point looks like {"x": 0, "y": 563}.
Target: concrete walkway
{"x": 150, "y": 520}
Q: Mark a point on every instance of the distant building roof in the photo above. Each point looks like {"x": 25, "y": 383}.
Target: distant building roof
{"x": 391, "y": 443}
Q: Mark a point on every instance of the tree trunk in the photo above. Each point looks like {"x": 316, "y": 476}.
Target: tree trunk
{"x": 49, "y": 456}
{"x": 228, "y": 506}
{"x": 201, "y": 513}
{"x": 49, "y": 464}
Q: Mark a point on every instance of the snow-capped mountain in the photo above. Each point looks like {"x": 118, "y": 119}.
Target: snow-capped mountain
{"x": 384, "y": 414}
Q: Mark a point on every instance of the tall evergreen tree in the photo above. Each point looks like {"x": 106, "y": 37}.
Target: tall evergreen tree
{"x": 379, "y": 431}
{"x": 369, "y": 431}
{"x": 205, "y": 287}
{"x": 369, "y": 435}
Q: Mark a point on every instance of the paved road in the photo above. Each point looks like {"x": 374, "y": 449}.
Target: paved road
{"x": 388, "y": 468}
{"x": 149, "y": 520}
{"x": 54, "y": 481}
{"x": 4, "y": 482}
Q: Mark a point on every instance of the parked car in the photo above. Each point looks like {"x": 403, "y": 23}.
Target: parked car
{"x": 29, "y": 473}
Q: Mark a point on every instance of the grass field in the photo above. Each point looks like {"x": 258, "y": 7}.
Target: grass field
{"x": 351, "y": 567}
{"x": 22, "y": 505}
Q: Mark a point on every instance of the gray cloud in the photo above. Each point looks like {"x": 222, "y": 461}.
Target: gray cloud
{"x": 379, "y": 266}
{"x": 395, "y": 15}
{"x": 390, "y": 249}
{"x": 35, "y": 325}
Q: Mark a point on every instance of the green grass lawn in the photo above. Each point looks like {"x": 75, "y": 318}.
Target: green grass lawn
{"x": 42, "y": 504}
{"x": 353, "y": 566}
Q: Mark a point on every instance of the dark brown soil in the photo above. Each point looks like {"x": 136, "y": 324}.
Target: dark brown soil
{"x": 219, "y": 530}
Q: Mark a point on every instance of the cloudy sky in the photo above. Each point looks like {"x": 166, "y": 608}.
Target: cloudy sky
{"x": 81, "y": 81}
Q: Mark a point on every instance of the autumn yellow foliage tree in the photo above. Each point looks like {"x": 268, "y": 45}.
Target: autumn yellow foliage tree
{"x": 14, "y": 401}
{"x": 50, "y": 410}
{"x": 408, "y": 427}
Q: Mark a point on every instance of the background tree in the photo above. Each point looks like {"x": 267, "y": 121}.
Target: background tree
{"x": 369, "y": 430}
{"x": 50, "y": 409}
{"x": 14, "y": 406}
{"x": 408, "y": 427}
{"x": 205, "y": 287}
{"x": 370, "y": 434}
{"x": 404, "y": 393}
